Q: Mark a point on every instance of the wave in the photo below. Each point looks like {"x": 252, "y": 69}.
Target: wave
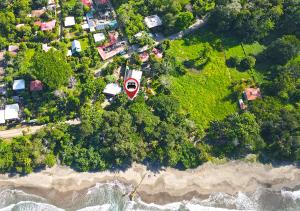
{"x": 112, "y": 197}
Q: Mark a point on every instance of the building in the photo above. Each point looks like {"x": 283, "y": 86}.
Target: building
{"x": 87, "y": 3}
{"x": 76, "y": 47}
{"x": 13, "y": 49}
{"x": 3, "y": 89}
{"x": 157, "y": 53}
{"x": 45, "y": 47}
{"x": 101, "y": 2}
{"x": 19, "y": 85}
{"x": 153, "y": 21}
{"x": 36, "y": 85}
{"x": 99, "y": 37}
{"x": 112, "y": 89}
{"x": 242, "y": 104}
{"x": 69, "y": 21}
{"x": 252, "y": 93}
{"x": 37, "y": 13}
{"x": 144, "y": 57}
{"x": 46, "y": 26}
{"x": 12, "y": 112}
{"x": 136, "y": 74}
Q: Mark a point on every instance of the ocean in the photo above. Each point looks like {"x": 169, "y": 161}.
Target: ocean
{"x": 110, "y": 197}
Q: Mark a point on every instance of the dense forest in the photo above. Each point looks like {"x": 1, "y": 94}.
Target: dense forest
{"x": 152, "y": 129}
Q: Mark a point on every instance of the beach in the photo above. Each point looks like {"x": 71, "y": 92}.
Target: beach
{"x": 58, "y": 184}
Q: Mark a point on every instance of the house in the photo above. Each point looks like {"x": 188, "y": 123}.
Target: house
{"x": 37, "y": 13}
{"x": 46, "y": 26}
{"x": 112, "y": 89}
{"x": 19, "y": 85}
{"x": 45, "y": 47}
{"x": 144, "y": 57}
{"x": 157, "y": 53}
{"x": 69, "y": 21}
{"x": 136, "y": 74}
{"x": 12, "y": 112}
{"x": 2, "y": 116}
{"x": 69, "y": 53}
{"x": 13, "y": 49}
{"x": 76, "y": 47}
{"x": 99, "y": 37}
{"x": 87, "y": 3}
{"x": 113, "y": 24}
{"x": 106, "y": 54}
{"x": 85, "y": 26}
{"x": 252, "y": 93}
{"x": 36, "y": 85}
{"x": 153, "y": 21}
{"x": 51, "y": 5}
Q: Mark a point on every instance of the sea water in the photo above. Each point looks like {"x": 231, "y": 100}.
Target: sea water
{"x": 112, "y": 197}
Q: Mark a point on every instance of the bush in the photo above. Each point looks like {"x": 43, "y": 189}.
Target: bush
{"x": 233, "y": 61}
{"x": 248, "y": 63}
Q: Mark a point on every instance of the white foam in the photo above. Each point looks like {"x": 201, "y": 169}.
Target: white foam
{"x": 291, "y": 194}
{"x": 30, "y": 206}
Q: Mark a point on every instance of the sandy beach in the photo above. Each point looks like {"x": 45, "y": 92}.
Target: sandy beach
{"x": 161, "y": 187}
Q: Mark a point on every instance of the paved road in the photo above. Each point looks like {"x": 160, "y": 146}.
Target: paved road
{"x": 7, "y": 134}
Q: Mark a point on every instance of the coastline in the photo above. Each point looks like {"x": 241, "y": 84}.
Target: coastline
{"x": 58, "y": 184}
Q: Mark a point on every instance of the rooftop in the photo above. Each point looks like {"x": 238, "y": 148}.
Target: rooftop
{"x": 76, "y": 46}
{"x": 252, "y": 93}
{"x": 136, "y": 74}
{"x": 99, "y": 37}
{"x": 12, "y": 111}
{"x": 112, "y": 89}
{"x": 86, "y": 3}
{"x": 36, "y": 85}
{"x": 2, "y": 116}
{"x": 153, "y": 21}
{"x": 19, "y": 84}
{"x": 46, "y": 26}
{"x": 69, "y": 21}
{"x": 37, "y": 13}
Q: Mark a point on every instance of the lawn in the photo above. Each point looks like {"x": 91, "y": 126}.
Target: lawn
{"x": 205, "y": 94}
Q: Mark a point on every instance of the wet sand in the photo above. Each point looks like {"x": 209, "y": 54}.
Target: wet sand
{"x": 59, "y": 184}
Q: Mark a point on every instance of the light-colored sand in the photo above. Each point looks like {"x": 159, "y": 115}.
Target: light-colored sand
{"x": 206, "y": 179}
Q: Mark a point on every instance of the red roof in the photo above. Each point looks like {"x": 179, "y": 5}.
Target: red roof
{"x": 144, "y": 57}
{"x": 157, "y": 53}
{"x": 106, "y": 55}
{"x": 36, "y": 85}
{"x": 252, "y": 93}
{"x": 86, "y": 3}
{"x": 46, "y": 26}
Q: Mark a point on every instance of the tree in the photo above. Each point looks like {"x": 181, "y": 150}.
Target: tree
{"x": 184, "y": 20}
{"x": 248, "y": 63}
{"x": 51, "y": 68}
{"x": 201, "y": 7}
{"x": 236, "y": 135}
{"x": 283, "y": 49}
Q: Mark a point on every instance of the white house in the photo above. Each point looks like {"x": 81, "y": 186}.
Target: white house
{"x": 12, "y": 111}
{"x": 136, "y": 74}
{"x": 19, "y": 85}
{"x": 69, "y": 21}
{"x": 99, "y": 37}
{"x": 153, "y": 21}
{"x": 112, "y": 89}
{"x": 76, "y": 47}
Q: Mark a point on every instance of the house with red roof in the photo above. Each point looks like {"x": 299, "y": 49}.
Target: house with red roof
{"x": 36, "y": 85}
{"x": 87, "y": 3}
{"x": 46, "y": 26}
{"x": 252, "y": 93}
{"x": 157, "y": 53}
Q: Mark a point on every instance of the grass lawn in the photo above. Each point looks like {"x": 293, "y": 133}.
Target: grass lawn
{"x": 205, "y": 94}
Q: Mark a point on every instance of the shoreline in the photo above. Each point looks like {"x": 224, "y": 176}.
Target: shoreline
{"x": 59, "y": 183}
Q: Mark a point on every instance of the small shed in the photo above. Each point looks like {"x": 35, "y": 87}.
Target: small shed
{"x": 153, "y": 21}
{"x": 36, "y": 85}
{"x": 112, "y": 89}
{"x": 12, "y": 111}
{"x": 252, "y": 93}
{"x": 19, "y": 85}
{"x": 69, "y": 21}
{"x": 99, "y": 37}
{"x": 76, "y": 47}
